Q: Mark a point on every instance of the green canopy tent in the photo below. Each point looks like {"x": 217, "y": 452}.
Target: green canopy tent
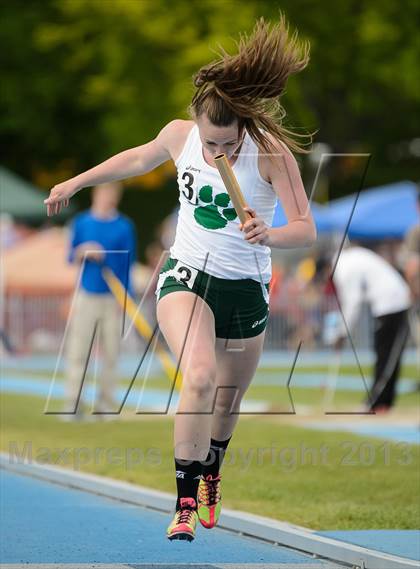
{"x": 23, "y": 201}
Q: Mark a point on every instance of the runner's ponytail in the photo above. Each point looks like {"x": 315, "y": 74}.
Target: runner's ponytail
{"x": 247, "y": 86}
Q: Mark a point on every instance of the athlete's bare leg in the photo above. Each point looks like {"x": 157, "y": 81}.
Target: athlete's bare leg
{"x": 187, "y": 324}
{"x": 235, "y": 370}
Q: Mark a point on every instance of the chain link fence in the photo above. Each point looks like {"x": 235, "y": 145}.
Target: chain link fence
{"x": 37, "y": 323}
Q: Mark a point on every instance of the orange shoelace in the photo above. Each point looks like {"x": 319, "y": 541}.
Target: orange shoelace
{"x": 209, "y": 491}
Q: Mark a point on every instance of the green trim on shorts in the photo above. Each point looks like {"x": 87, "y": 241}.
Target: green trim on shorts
{"x": 239, "y": 306}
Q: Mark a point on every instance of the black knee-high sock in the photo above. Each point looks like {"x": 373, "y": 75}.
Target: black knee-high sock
{"x": 214, "y": 459}
{"x": 188, "y": 474}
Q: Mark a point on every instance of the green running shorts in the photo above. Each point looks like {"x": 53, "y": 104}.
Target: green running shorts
{"x": 240, "y": 307}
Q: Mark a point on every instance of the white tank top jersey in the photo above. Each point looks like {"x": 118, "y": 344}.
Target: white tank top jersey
{"x": 207, "y": 234}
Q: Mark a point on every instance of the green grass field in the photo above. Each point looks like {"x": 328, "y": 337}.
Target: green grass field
{"x": 321, "y": 480}
{"x": 278, "y": 396}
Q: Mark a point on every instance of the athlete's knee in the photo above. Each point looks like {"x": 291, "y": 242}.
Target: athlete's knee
{"x": 228, "y": 399}
{"x": 200, "y": 381}
{"x": 227, "y": 406}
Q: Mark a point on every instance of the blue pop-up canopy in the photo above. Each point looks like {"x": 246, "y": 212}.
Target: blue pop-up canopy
{"x": 379, "y": 213}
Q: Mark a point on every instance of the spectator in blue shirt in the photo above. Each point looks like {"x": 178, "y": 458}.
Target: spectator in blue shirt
{"x": 100, "y": 237}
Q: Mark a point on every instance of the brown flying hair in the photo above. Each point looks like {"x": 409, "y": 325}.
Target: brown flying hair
{"x": 247, "y": 86}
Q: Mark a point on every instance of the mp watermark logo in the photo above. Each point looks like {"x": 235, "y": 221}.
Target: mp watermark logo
{"x": 155, "y": 345}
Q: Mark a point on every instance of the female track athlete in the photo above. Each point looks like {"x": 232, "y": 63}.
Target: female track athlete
{"x": 212, "y": 292}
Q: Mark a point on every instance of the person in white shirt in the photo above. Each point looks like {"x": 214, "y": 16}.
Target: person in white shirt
{"x": 362, "y": 275}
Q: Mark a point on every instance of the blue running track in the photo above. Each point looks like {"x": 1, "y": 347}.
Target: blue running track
{"x": 47, "y": 523}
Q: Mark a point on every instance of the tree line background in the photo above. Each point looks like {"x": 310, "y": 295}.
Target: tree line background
{"x": 85, "y": 79}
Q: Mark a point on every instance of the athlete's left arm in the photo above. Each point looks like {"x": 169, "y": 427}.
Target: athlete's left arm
{"x": 284, "y": 175}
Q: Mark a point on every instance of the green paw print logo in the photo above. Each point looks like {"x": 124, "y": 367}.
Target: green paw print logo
{"x": 216, "y": 214}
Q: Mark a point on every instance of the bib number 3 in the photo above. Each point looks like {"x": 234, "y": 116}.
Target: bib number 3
{"x": 184, "y": 274}
{"x": 181, "y": 273}
{"x": 188, "y": 189}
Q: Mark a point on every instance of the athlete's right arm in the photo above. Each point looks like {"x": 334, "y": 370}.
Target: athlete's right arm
{"x": 133, "y": 162}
